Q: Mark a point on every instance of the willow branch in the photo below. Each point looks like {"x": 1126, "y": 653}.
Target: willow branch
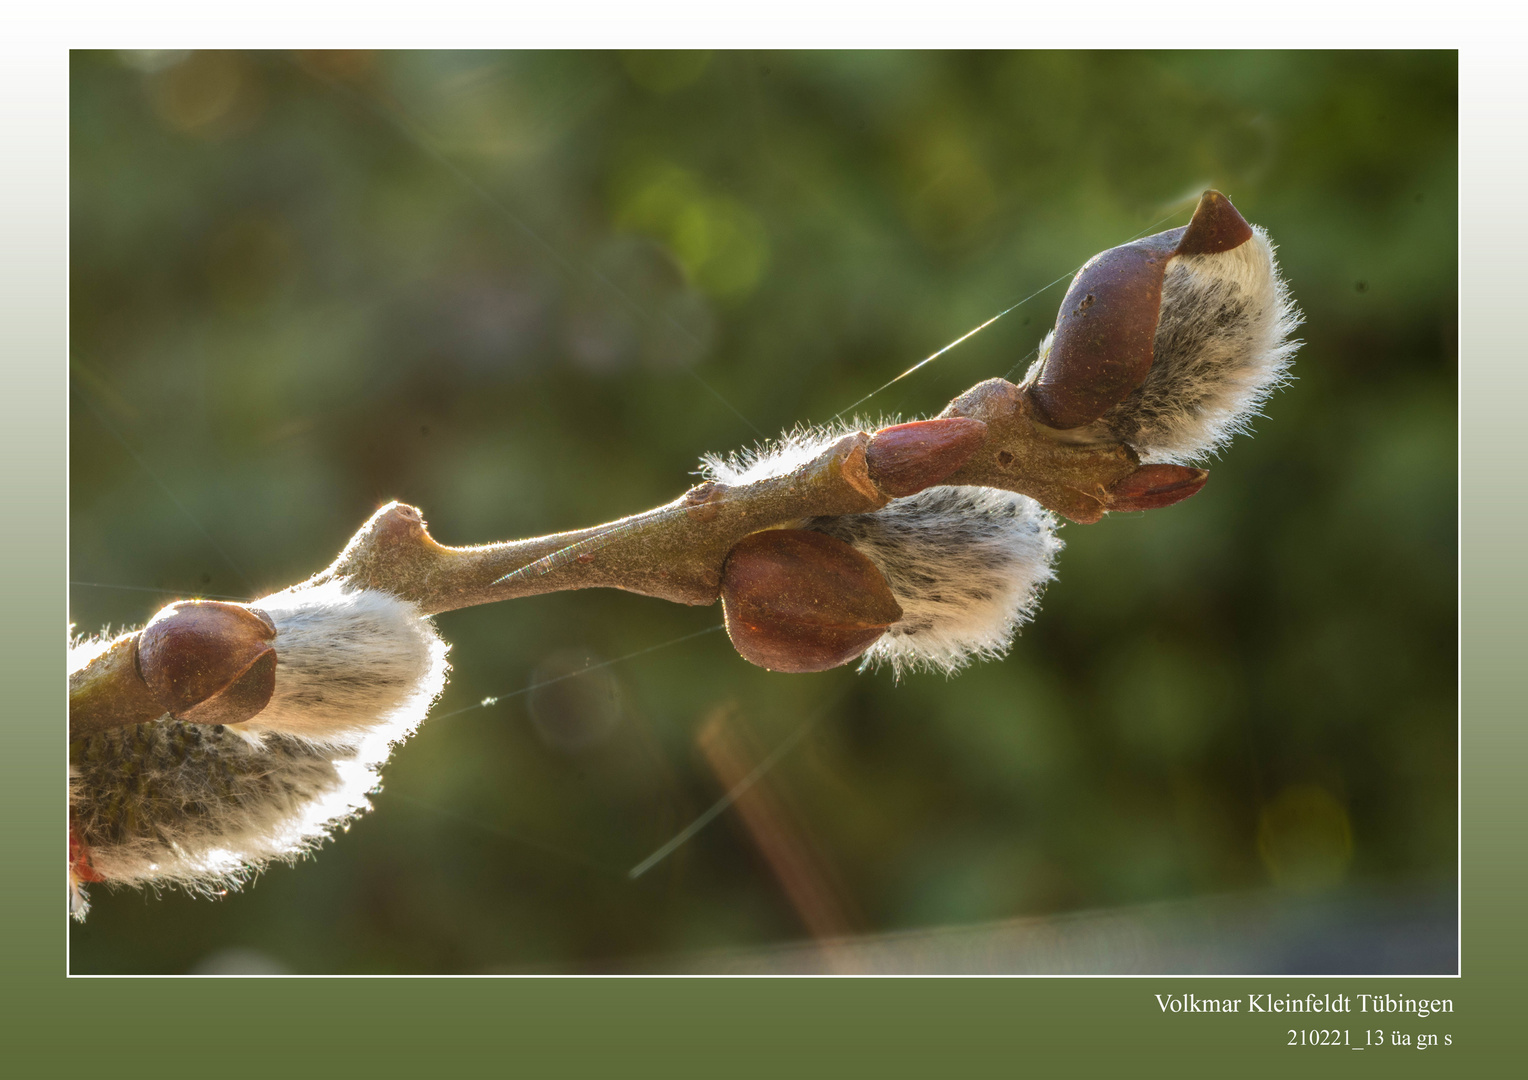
{"x": 674, "y": 552}
{"x": 677, "y": 552}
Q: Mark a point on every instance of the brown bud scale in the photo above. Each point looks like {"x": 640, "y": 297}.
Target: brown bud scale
{"x": 1154, "y": 486}
{"x": 1107, "y": 326}
{"x": 209, "y": 662}
{"x": 797, "y": 600}
{"x": 906, "y": 458}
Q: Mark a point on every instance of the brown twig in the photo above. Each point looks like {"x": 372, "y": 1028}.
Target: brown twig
{"x": 677, "y": 552}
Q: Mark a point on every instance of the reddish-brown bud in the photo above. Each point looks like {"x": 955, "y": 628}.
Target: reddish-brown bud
{"x": 79, "y": 859}
{"x": 797, "y": 600}
{"x": 209, "y": 662}
{"x": 906, "y": 458}
{"x": 1154, "y": 486}
{"x": 1107, "y": 326}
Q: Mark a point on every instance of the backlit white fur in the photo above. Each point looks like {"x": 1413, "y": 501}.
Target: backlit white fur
{"x": 205, "y": 807}
{"x": 210, "y": 806}
{"x": 779, "y": 456}
{"x": 1223, "y": 345}
{"x": 349, "y": 665}
{"x": 966, "y": 564}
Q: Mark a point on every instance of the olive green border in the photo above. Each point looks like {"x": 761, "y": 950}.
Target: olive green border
{"x": 921, "y": 1027}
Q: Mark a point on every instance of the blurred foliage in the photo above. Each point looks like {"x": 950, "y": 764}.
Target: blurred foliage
{"x": 526, "y": 291}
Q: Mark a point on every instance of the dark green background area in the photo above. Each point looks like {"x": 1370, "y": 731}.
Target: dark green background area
{"x": 525, "y": 292}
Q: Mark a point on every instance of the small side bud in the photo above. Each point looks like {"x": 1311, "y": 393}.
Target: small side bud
{"x": 1153, "y": 486}
{"x": 81, "y": 873}
{"x": 798, "y": 601}
{"x": 209, "y": 662}
{"x": 79, "y": 859}
{"x": 906, "y": 458}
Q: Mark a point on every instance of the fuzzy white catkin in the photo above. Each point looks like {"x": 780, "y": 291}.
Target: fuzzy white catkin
{"x": 349, "y": 665}
{"x": 205, "y": 807}
{"x": 966, "y": 564}
{"x": 1223, "y": 345}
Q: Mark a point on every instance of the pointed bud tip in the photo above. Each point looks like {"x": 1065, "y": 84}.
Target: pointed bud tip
{"x": 1216, "y": 227}
{"x": 906, "y": 458}
{"x": 1154, "y": 486}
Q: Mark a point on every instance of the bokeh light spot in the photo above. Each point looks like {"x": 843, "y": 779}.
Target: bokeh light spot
{"x": 208, "y": 93}
{"x": 1304, "y": 838}
{"x": 574, "y": 705}
{"x": 149, "y": 61}
{"x": 662, "y": 71}
{"x": 721, "y": 244}
{"x": 248, "y": 261}
{"x": 338, "y": 63}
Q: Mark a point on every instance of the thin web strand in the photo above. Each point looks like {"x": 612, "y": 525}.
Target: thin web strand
{"x": 152, "y": 475}
{"x": 721, "y": 805}
{"x": 936, "y": 355}
{"x": 1022, "y": 364}
{"x": 186, "y": 593}
{"x": 503, "y": 834}
{"x": 564, "y": 555}
{"x": 494, "y": 699}
{"x": 972, "y": 333}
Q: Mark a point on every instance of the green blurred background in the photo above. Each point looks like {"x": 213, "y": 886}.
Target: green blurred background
{"x": 525, "y": 292}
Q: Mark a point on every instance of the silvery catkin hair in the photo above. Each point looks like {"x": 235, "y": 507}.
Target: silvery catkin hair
{"x": 1222, "y": 346}
{"x": 206, "y": 806}
{"x": 966, "y": 564}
